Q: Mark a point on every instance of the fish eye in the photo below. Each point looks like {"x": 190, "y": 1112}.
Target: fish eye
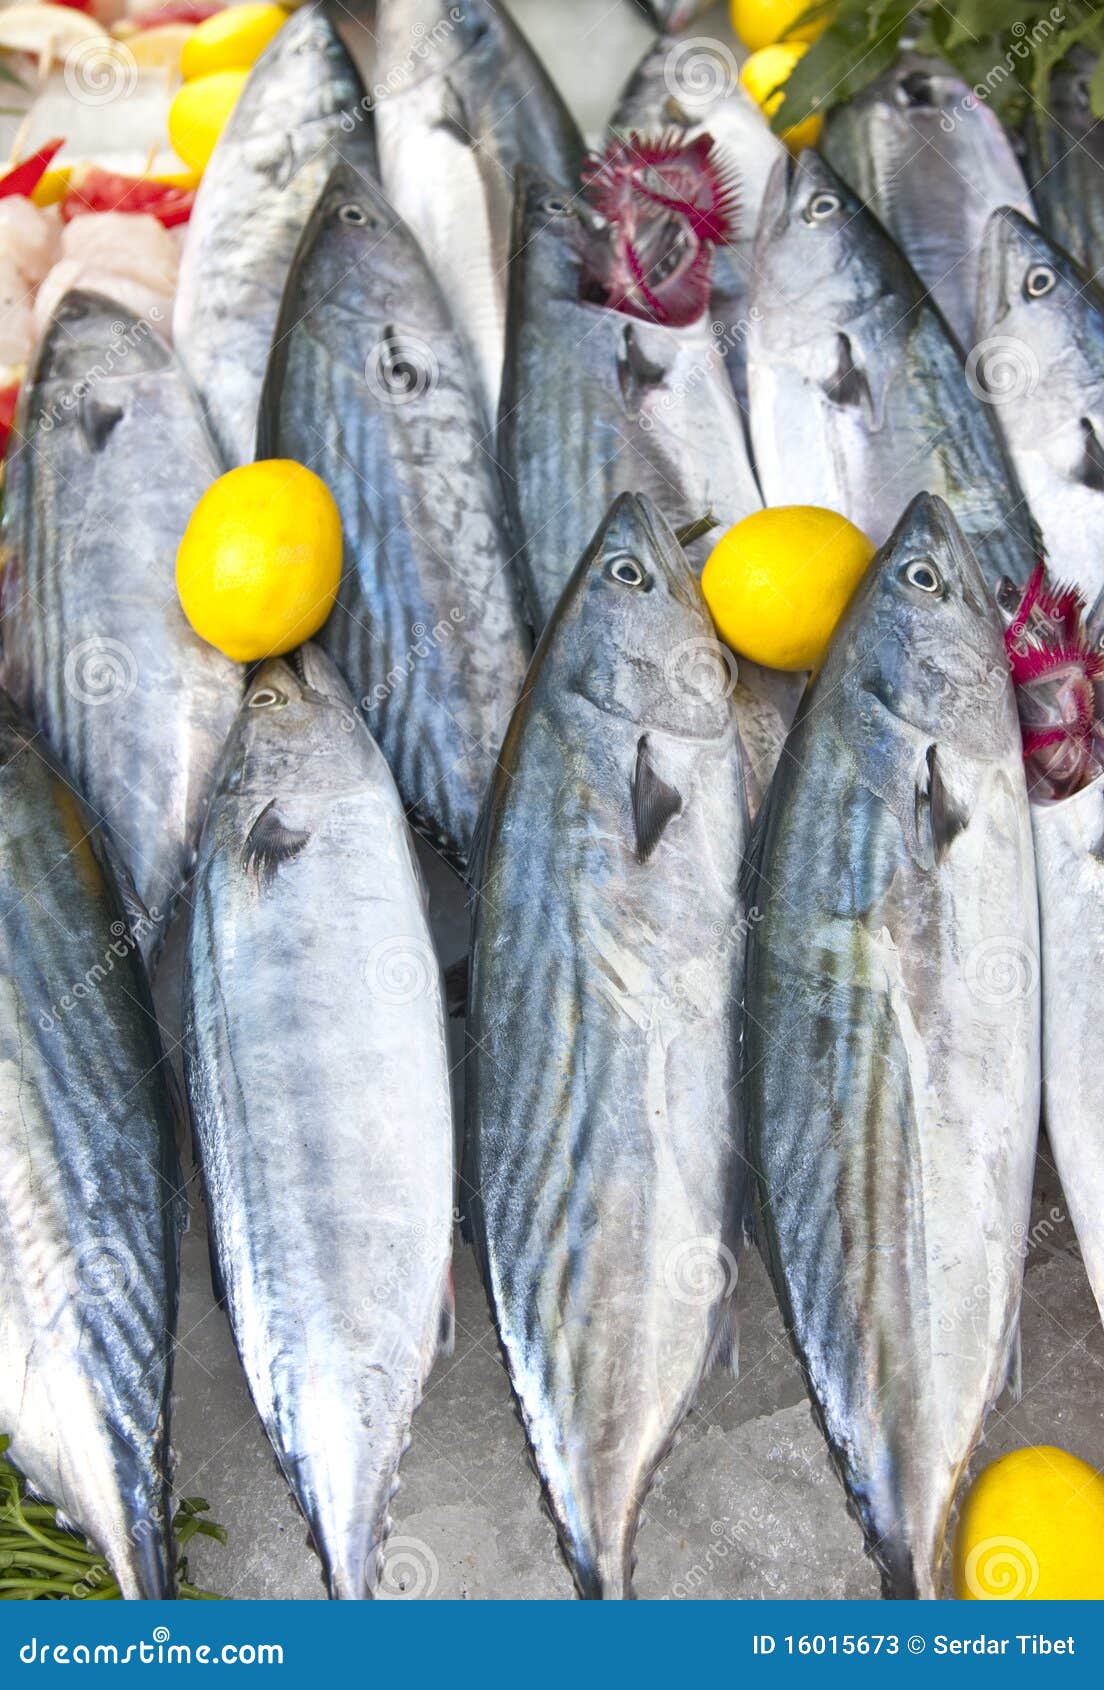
{"x": 267, "y": 698}
{"x": 922, "y": 574}
{"x": 822, "y": 206}
{"x": 554, "y": 205}
{"x": 352, "y": 213}
{"x": 625, "y": 569}
{"x": 1039, "y": 281}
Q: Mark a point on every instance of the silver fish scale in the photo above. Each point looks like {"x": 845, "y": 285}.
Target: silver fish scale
{"x": 858, "y": 395}
{"x": 370, "y": 388}
{"x": 458, "y": 113}
{"x": 91, "y": 1201}
{"x": 97, "y": 649}
{"x": 1065, "y": 159}
{"x": 303, "y": 107}
{"x": 1069, "y": 852}
{"x": 893, "y": 1036}
{"x": 606, "y": 1164}
{"x": 1045, "y": 372}
{"x": 326, "y": 1151}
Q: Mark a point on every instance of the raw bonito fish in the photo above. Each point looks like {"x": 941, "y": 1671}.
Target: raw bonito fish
{"x": 892, "y": 1037}
{"x": 1065, "y": 162}
{"x": 606, "y": 1173}
{"x": 1041, "y": 323}
{"x": 111, "y": 460}
{"x": 464, "y": 101}
{"x": 932, "y": 162}
{"x": 691, "y": 87}
{"x": 317, "y": 1073}
{"x": 597, "y": 403}
{"x": 91, "y": 1201}
{"x": 1069, "y": 851}
{"x": 858, "y": 396}
{"x": 303, "y": 107}
{"x": 369, "y": 387}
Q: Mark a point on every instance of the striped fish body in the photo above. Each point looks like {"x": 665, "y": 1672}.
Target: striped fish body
{"x": 369, "y": 386}
{"x": 893, "y": 1036}
{"x": 303, "y": 107}
{"x": 112, "y": 457}
{"x": 606, "y": 1165}
{"x": 317, "y": 1074}
{"x": 91, "y": 1201}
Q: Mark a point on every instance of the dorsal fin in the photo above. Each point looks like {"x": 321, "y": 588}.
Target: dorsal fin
{"x": 654, "y": 802}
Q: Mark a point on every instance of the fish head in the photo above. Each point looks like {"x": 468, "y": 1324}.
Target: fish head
{"x": 92, "y": 351}
{"x": 557, "y": 235}
{"x": 924, "y": 636}
{"x": 818, "y": 252}
{"x": 633, "y": 631}
{"x": 416, "y": 40}
{"x": 297, "y": 730}
{"x": 353, "y": 237}
{"x": 1036, "y": 309}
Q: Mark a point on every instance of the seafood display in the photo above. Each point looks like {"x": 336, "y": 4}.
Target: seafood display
{"x": 551, "y": 801}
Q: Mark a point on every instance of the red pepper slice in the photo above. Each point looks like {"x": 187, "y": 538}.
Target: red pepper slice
{"x": 25, "y": 177}
{"x": 8, "y": 399}
{"x": 75, "y": 5}
{"x": 103, "y": 190}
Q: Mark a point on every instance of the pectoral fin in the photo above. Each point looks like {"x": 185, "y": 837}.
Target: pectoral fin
{"x": 271, "y": 843}
{"x": 654, "y": 803}
{"x": 849, "y": 385}
{"x": 96, "y": 419}
{"x": 937, "y": 811}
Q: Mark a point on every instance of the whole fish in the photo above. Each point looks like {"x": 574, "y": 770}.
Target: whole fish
{"x": 462, "y": 101}
{"x": 91, "y": 1201}
{"x": 691, "y": 87}
{"x": 317, "y": 1073}
{"x": 112, "y": 457}
{"x": 932, "y": 162}
{"x": 606, "y": 1175}
{"x": 893, "y": 1035}
{"x": 858, "y": 395}
{"x": 303, "y": 107}
{"x": 1041, "y": 323}
{"x": 1065, "y": 161}
{"x": 1069, "y": 854}
{"x": 369, "y": 387}
{"x": 597, "y": 403}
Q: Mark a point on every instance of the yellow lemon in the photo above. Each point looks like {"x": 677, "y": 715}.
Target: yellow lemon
{"x": 779, "y": 581}
{"x": 1031, "y": 1528}
{"x": 231, "y": 40}
{"x": 760, "y": 23}
{"x": 258, "y": 568}
{"x": 762, "y": 76}
{"x": 199, "y": 112}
